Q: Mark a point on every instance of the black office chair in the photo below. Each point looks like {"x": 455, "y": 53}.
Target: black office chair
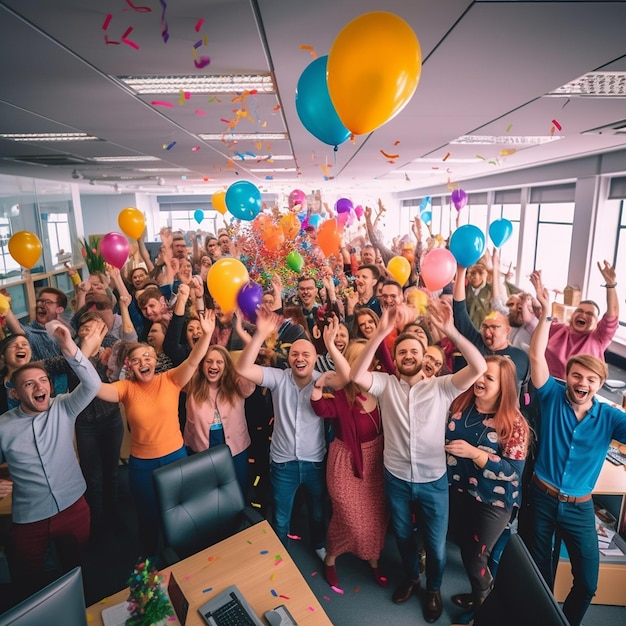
{"x": 520, "y": 595}
{"x": 200, "y": 502}
{"x": 62, "y": 601}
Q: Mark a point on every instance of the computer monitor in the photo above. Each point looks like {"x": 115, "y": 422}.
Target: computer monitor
{"x": 61, "y": 602}
{"x": 520, "y": 595}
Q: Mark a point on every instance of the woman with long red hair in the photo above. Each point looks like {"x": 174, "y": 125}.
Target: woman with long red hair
{"x": 486, "y": 443}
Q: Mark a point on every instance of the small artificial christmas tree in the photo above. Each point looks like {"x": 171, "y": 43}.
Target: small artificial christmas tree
{"x": 148, "y": 603}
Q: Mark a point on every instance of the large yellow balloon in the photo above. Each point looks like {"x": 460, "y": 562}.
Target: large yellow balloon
{"x": 400, "y": 269}
{"x": 25, "y": 248}
{"x": 219, "y": 201}
{"x": 132, "y": 222}
{"x": 224, "y": 280}
{"x": 373, "y": 69}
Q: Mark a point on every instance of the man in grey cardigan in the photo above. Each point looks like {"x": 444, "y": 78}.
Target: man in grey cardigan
{"x": 37, "y": 443}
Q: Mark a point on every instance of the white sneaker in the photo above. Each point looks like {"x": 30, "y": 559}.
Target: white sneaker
{"x": 321, "y": 552}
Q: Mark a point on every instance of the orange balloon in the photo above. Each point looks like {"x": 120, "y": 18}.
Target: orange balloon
{"x": 224, "y": 280}
{"x": 262, "y": 223}
{"x": 328, "y": 239}
{"x": 25, "y": 248}
{"x": 273, "y": 237}
{"x": 132, "y": 222}
{"x": 290, "y": 225}
{"x": 219, "y": 201}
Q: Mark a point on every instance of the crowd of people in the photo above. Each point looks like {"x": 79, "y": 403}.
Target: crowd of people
{"x": 383, "y": 404}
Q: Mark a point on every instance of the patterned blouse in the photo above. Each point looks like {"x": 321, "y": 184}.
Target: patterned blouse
{"x": 499, "y": 482}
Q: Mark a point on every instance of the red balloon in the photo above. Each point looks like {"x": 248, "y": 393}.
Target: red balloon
{"x": 114, "y": 249}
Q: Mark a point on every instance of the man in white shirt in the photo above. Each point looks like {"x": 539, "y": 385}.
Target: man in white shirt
{"x": 414, "y": 410}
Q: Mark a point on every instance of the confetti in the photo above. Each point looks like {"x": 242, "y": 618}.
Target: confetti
{"x": 107, "y": 21}
{"x": 162, "y": 103}
{"x": 558, "y": 126}
{"x": 311, "y": 609}
{"x": 566, "y": 103}
{"x": 201, "y": 62}
{"x": 278, "y": 562}
{"x": 207, "y": 590}
{"x": 264, "y": 552}
{"x": 284, "y": 597}
{"x": 197, "y": 44}
{"x": 269, "y": 178}
{"x": 295, "y": 537}
{"x": 199, "y": 24}
{"x": 336, "y": 589}
{"x": 127, "y": 41}
{"x": 395, "y": 143}
{"x": 108, "y": 41}
{"x": 199, "y": 112}
{"x": 507, "y": 152}
{"x": 508, "y": 128}
{"x": 326, "y": 598}
{"x": 223, "y": 119}
{"x": 478, "y": 156}
{"x": 138, "y": 9}
{"x": 276, "y": 108}
{"x": 308, "y": 49}
{"x": 256, "y": 481}
{"x": 195, "y": 149}
{"x": 314, "y": 573}
{"x": 389, "y": 156}
{"x": 164, "y": 30}
{"x": 446, "y": 157}
{"x": 274, "y": 593}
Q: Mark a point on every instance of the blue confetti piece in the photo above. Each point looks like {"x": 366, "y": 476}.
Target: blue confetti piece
{"x": 264, "y": 551}
{"x": 207, "y": 590}
{"x": 171, "y": 145}
{"x": 274, "y": 593}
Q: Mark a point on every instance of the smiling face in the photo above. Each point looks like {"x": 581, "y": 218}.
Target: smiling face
{"x": 213, "y": 248}
{"x": 179, "y": 249}
{"x": 477, "y": 276}
{"x": 153, "y": 309}
{"x": 368, "y": 255}
{"x": 584, "y": 319}
{"x": 142, "y": 361}
{"x": 342, "y": 338}
{"x": 17, "y": 353}
{"x": 390, "y": 296}
{"x": 364, "y": 282}
{"x": 184, "y": 270}
{"x": 408, "y": 357}
{"x": 139, "y": 277}
{"x": 302, "y": 356}
{"x": 432, "y": 361}
{"x": 32, "y": 389}
{"x": 213, "y": 366}
{"x": 514, "y": 304}
{"x": 307, "y": 292}
{"x": 193, "y": 332}
{"x": 47, "y": 307}
{"x": 487, "y": 387}
{"x": 224, "y": 243}
{"x": 581, "y": 385}
{"x": 366, "y": 324}
{"x": 495, "y": 331}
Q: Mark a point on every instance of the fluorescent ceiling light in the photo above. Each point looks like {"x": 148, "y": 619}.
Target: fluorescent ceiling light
{"x": 226, "y": 136}
{"x": 273, "y": 169}
{"x": 38, "y": 137}
{"x": 505, "y": 140}
{"x": 262, "y": 83}
{"x": 275, "y": 157}
{"x": 439, "y": 160}
{"x": 124, "y": 159}
{"x": 161, "y": 169}
{"x": 594, "y": 85}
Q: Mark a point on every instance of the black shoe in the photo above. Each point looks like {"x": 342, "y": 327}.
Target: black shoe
{"x": 405, "y": 591}
{"x": 433, "y": 606}
{"x": 463, "y": 601}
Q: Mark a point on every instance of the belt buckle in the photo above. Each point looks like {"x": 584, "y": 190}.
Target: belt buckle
{"x": 562, "y": 497}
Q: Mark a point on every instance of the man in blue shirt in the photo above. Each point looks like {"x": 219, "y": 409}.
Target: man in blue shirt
{"x": 576, "y": 431}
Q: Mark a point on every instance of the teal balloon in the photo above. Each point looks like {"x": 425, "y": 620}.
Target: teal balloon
{"x": 426, "y": 217}
{"x": 198, "y": 215}
{"x": 243, "y": 200}
{"x": 467, "y": 244}
{"x": 500, "y": 231}
{"x": 315, "y": 108}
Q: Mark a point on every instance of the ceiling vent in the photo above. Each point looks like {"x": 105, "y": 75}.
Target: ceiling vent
{"x": 47, "y": 160}
{"x": 594, "y": 85}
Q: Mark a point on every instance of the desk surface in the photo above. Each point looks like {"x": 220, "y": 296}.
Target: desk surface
{"x": 256, "y": 561}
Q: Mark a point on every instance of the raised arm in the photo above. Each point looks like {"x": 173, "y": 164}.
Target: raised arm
{"x": 539, "y": 371}
{"x": 341, "y": 376}
{"x": 183, "y": 373}
{"x": 610, "y": 283}
{"x": 442, "y": 319}
{"x": 266, "y": 323}
{"x": 359, "y": 372}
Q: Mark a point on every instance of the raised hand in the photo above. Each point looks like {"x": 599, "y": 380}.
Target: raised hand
{"x": 608, "y": 272}
{"x": 542, "y": 292}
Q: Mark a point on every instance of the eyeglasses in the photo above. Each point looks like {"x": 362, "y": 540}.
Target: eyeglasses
{"x": 491, "y": 327}
{"x": 46, "y": 302}
{"x": 136, "y": 360}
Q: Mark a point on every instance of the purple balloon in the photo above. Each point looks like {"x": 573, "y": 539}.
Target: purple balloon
{"x": 459, "y": 199}
{"x": 249, "y": 299}
{"x": 114, "y": 249}
{"x": 343, "y": 205}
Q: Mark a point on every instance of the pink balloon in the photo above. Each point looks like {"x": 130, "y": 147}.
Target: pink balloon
{"x": 297, "y": 196}
{"x": 342, "y": 218}
{"x": 358, "y": 211}
{"x": 114, "y": 249}
{"x": 438, "y": 268}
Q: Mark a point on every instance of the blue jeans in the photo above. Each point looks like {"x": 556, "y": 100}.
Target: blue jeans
{"x": 432, "y": 498}
{"x": 144, "y": 495}
{"x": 575, "y": 523}
{"x": 286, "y": 478}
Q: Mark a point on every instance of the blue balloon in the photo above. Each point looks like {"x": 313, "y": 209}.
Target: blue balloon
{"x": 315, "y": 220}
{"x": 500, "y": 231}
{"x": 426, "y": 217}
{"x": 467, "y": 244}
{"x": 243, "y": 200}
{"x": 424, "y": 203}
{"x": 198, "y": 215}
{"x": 314, "y": 106}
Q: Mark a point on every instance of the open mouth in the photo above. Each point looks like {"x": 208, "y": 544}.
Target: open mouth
{"x": 300, "y": 367}
{"x": 195, "y": 340}
{"x": 213, "y": 372}
{"x": 580, "y": 393}
{"x": 479, "y": 387}
{"x": 144, "y": 370}
{"x": 428, "y": 370}
{"x": 40, "y": 397}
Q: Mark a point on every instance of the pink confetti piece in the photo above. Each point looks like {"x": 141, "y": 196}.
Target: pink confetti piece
{"x": 127, "y": 41}
{"x": 138, "y": 9}
{"x": 326, "y": 598}
{"x": 162, "y": 103}
{"x": 223, "y": 119}
{"x": 202, "y": 62}
{"x": 199, "y": 24}
{"x": 196, "y": 149}
{"x": 314, "y": 573}
{"x": 311, "y": 609}
{"x": 278, "y": 562}
{"x": 558, "y": 126}
{"x": 199, "y": 112}
{"x": 337, "y": 590}
{"x": 284, "y": 597}
{"x": 111, "y": 42}
{"x": 107, "y": 21}
{"x": 295, "y": 537}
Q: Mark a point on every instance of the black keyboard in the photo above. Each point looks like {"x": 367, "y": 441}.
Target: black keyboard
{"x": 231, "y": 614}
{"x": 613, "y": 455}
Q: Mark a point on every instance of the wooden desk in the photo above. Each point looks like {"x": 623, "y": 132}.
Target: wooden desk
{"x": 256, "y": 561}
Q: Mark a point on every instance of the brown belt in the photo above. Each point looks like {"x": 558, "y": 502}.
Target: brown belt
{"x": 555, "y": 493}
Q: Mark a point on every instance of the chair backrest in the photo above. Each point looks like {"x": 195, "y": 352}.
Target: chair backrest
{"x": 61, "y": 600}
{"x": 200, "y": 500}
{"x": 520, "y": 595}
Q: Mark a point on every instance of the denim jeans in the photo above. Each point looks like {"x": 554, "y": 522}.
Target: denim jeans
{"x": 286, "y": 478}
{"x": 575, "y": 523}
{"x": 144, "y": 495}
{"x": 432, "y": 498}
{"x": 99, "y": 444}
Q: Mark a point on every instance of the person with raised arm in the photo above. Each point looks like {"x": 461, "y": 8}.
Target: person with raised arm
{"x": 414, "y": 411}
{"x": 576, "y": 431}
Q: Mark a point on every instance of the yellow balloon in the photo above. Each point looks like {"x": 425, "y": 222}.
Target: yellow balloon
{"x": 5, "y": 305}
{"x": 373, "y": 69}
{"x": 132, "y": 222}
{"x": 400, "y": 269}
{"x": 219, "y": 201}
{"x": 224, "y": 280}
{"x": 25, "y": 248}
